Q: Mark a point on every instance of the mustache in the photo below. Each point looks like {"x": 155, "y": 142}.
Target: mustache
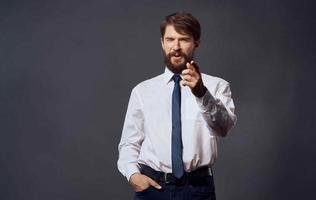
{"x": 176, "y": 53}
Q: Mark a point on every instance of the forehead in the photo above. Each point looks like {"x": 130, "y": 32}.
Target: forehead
{"x": 170, "y": 31}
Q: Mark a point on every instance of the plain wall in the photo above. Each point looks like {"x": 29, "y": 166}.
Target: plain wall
{"x": 67, "y": 69}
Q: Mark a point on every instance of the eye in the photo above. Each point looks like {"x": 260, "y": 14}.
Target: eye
{"x": 186, "y": 39}
{"x": 169, "y": 39}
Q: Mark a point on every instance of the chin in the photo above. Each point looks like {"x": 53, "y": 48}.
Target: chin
{"x": 177, "y": 69}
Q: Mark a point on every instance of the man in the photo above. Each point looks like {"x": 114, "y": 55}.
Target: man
{"x": 168, "y": 143}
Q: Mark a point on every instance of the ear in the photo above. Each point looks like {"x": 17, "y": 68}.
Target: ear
{"x": 161, "y": 41}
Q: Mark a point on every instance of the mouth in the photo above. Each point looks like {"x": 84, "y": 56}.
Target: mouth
{"x": 177, "y": 59}
{"x": 177, "y": 56}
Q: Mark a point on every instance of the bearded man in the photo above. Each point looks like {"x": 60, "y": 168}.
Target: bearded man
{"x": 168, "y": 144}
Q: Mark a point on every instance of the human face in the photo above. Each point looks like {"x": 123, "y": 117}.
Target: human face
{"x": 178, "y": 48}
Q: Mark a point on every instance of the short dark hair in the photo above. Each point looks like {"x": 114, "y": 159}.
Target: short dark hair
{"x": 183, "y": 22}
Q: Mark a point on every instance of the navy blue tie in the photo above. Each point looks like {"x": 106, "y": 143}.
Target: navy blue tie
{"x": 176, "y": 148}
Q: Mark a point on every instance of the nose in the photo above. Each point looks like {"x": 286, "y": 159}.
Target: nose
{"x": 176, "y": 45}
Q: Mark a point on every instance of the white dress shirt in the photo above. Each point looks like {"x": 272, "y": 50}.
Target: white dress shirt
{"x": 146, "y": 135}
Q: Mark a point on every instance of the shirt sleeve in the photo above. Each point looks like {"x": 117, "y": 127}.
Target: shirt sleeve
{"x": 132, "y": 137}
{"x": 218, "y": 109}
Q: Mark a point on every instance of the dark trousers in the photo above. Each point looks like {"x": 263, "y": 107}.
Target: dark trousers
{"x": 200, "y": 189}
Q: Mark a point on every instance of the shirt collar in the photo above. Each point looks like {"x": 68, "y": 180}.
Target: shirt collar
{"x": 168, "y": 75}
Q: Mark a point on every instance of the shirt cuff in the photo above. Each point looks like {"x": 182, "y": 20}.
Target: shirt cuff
{"x": 132, "y": 169}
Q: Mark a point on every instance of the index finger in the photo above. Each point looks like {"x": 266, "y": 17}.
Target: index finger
{"x": 193, "y": 66}
{"x": 154, "y": 183}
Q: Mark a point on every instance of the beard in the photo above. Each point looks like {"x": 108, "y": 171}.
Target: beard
{"x": 177, "y": 68}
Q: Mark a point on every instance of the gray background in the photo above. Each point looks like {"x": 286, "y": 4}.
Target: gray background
{"x": 67, "y": 69}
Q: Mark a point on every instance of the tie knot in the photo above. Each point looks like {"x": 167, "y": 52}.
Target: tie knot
{"x": 176, "y": 78}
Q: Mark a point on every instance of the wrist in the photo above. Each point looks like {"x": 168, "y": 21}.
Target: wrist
{"x": 134, "y": 176}
{"x": 199, "y": 91}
